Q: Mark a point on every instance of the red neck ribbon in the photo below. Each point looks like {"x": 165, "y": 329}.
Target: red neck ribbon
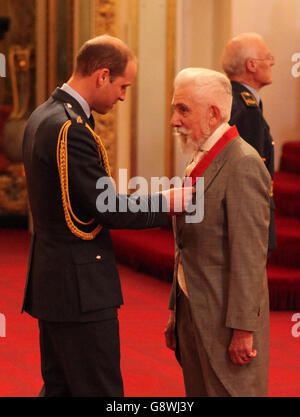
{"x": 204, "y": 163}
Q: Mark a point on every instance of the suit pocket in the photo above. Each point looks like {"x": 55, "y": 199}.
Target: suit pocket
{"x": 97, "y": 277}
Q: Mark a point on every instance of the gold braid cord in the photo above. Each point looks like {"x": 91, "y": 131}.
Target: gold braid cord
{"x": 62, "y": 163}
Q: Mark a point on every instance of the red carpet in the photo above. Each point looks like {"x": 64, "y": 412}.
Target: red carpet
{"x": 284, "y": 264}
{"x": 149, "y": 369}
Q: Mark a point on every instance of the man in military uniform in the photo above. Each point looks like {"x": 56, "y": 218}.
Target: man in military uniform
{"x": 248, "y": 63}
{"x": 73, "y": 287}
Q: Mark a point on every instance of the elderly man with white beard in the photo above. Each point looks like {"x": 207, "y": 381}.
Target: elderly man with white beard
{"x": 219, "y": 318}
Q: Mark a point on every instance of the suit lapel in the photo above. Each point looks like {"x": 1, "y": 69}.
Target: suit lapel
{"x": 211, "y": 172}
{"x": 209, "y": 176}
{"x": 214, "y": 168}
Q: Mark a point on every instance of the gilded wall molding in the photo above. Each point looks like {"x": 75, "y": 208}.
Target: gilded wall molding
{"x": 105, "y": 21}
{"x": 54, "y": 39}
{"x": 51, "y": 43}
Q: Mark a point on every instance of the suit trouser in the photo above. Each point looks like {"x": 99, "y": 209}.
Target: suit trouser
{"x": 200, "y": 379}
{"x": 81, "y": 359}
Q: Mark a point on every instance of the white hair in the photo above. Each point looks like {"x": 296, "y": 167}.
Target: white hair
{"x": 211, "y": 88}
{"x": 238, "y": 50}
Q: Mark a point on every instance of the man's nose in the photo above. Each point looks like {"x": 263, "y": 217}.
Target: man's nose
{"x": 175, "y": 121}
{"x": 122, "y": 95}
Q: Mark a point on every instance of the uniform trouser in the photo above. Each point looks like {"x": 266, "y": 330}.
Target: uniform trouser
{"x": 81, "y": 359}
{"x": 200, "y": 379}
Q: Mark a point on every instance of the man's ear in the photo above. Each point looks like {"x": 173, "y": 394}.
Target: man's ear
{"x": 214, "y": 115}
{"x": 250, "y": 65}
{"x": 102, "y": 76}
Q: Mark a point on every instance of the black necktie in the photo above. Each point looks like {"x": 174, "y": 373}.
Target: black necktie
{"x": 92, "y": 121}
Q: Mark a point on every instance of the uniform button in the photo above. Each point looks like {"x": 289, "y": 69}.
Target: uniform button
{"x": 98, "y": 257}
{"x": 180, "y": 245}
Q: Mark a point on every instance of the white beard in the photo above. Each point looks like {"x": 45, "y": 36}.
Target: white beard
{"x": 187, "y": 144}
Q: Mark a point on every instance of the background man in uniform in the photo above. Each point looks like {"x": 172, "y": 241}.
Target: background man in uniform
{"x": 73, "y": 287}
{"x": 247, "y": 61}
{"x": 219, "y": 319}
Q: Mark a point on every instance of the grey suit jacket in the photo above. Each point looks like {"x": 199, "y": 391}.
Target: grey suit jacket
{"x": 224, "y": 262}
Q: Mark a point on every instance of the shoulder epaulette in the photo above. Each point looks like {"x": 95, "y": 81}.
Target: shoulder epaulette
{"x": 249, "y": 99}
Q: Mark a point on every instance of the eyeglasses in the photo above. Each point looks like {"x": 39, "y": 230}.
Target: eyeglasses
{"x": 268, "y": 58}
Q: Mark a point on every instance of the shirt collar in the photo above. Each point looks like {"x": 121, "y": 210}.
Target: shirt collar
{"x": 215, "y": 136}
{"x": 84, "y": 104}
{"x": 253, "y": 91}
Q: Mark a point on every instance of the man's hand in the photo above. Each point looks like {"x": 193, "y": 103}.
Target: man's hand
{"x": 170, "y": 332}
{"x": 240, "y": 348}
{"x": 178, "y": 199}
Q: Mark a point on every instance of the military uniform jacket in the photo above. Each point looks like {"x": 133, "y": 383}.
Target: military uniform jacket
{"x": 247, "y": 116}
{"x": 224, "y": 263}
{"x": 71, "y": 279}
